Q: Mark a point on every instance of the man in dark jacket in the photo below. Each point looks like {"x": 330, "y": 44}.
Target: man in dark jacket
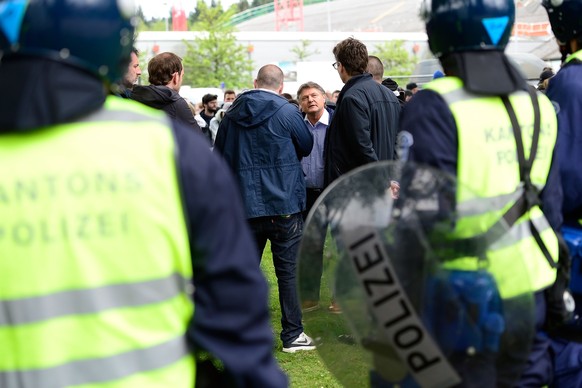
{"x": 166, "y": 74}
{"x": 263, "y": 138}
{"x": 364, "y": 126}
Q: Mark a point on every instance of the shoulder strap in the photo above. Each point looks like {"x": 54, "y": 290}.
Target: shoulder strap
{"x": 478, "y": 245}
{"x": 531, "y": 196}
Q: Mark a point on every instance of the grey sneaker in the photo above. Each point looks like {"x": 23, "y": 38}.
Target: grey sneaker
{"x": 303, "y": 342}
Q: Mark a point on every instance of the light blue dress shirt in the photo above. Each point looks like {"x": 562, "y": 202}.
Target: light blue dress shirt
{"x": 313, "y": 164}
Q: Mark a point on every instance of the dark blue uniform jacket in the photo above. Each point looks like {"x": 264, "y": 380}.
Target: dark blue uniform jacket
{"x": 565, "y": 91}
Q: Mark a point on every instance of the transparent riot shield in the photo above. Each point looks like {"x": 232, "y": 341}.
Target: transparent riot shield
{"x": 400, "y": 295}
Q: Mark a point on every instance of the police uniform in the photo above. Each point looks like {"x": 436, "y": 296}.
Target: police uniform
{"x": 106, "y": 227}
{"x": 564, "y": 89}
{"x": 462, "y": 126}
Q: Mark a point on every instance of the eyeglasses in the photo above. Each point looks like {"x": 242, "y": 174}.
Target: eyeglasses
{"x": 335, "y": 65}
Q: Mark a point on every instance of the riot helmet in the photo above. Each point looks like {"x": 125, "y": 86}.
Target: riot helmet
{"x": 467, "y": 25}
{"x": 566, "y": 18}
{"x": 96, "y": 36}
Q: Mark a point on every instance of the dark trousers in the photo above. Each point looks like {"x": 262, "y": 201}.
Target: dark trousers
{"x": 284, "y": 232}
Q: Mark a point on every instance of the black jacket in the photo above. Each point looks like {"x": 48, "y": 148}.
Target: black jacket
{"x": 363, "y": 128}
{"x": 162, "y": 97}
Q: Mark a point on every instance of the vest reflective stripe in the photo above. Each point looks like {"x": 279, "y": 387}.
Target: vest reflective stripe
{"x": 95, "y": 245}
{"x": 29, "y": 310}
{"x": 576, "y": 55}
{"x": 113, "y": 115}
{"x": 481, "y": 205}
{"x": 488, "y": 175}
{"x": 99, "y": 370}
{"x": 521, "y": 231}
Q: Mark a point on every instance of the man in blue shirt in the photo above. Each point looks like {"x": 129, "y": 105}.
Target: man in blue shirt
{"x": 317, "y": 117}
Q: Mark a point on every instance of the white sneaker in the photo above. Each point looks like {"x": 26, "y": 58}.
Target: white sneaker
{"x": 303, "y": 342}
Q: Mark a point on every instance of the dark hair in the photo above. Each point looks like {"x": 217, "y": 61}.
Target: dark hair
{"x": 209, "y": 97}
{"x": 229, "y": 91}
{"x": 287, "y": 96}
{"x": 390, "y": 84}
{"x": 310, "y": 85}
{"x": 411, "y": 85}
{"x": 162, "y": 67}
{"x": 353, "y": 55}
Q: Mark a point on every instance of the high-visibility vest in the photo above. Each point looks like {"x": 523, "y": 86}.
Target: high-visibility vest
{"x": 95, "y": 263}
{"x": 489, "y": 183}
{"x": 577, "y": 55}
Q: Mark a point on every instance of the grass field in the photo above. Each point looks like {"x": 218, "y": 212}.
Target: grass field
{"x": 307, "y": 369}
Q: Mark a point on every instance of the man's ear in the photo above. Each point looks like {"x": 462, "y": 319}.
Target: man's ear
{"x": 255, "y": 84}
{"x": 175, "y": 77}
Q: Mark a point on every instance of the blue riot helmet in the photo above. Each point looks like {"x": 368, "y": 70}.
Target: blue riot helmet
{"x": 566, "y": 18}
{"x": 96, "y": 36}
{"x": 467, "y": 25}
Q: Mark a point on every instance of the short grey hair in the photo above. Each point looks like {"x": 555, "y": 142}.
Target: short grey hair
{"x": 310, "y": 85}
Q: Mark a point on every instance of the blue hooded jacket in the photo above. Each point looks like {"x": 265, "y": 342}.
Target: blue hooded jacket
{"x": 263, "y": 138}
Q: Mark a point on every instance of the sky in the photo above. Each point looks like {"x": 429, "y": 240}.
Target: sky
{"x": 160, "y": 8}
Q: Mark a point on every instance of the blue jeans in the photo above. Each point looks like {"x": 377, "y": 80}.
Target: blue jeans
{"x": 284, "y": 232}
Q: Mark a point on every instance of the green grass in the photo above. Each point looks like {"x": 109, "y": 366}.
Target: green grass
{"x": 307, "y": 369}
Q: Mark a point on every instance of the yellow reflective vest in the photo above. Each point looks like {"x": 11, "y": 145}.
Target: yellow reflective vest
{"x": 489, "y": 183}
{"x": 94, "y": 255}
{"x": 576, "y": 55}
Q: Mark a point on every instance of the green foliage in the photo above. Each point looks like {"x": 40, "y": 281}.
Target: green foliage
{"x": 216, "y": 57}
{"x": 256, "y": 3}
{"x": 302, "y": 51}
{"x": 243, "y": 5}
{"x": 155, "y": 24}
{"x": 396, "y": 59}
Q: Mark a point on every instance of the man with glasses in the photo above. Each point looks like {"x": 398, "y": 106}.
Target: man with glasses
{"x": 363, "y": 129}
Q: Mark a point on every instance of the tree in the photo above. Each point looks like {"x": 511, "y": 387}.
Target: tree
{"x": 216, "y": 57}
{"x": 302, "y": 51}
{"x": 396, "y": 59}
{"x": 243, "y": 5}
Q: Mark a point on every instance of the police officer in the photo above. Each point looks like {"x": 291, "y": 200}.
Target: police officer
{"x": 566, "y": 20}
{"x": 565, "y": 91}
{"x": 111, "y": 215}
{"x": 467, "y": 124}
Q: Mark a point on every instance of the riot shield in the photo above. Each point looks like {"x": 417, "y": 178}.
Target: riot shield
{"x": 399, "y": 296}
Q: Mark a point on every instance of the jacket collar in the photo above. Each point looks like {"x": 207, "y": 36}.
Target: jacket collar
{"x": 351, "y": 82}
{"x": 40, "y": 92}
